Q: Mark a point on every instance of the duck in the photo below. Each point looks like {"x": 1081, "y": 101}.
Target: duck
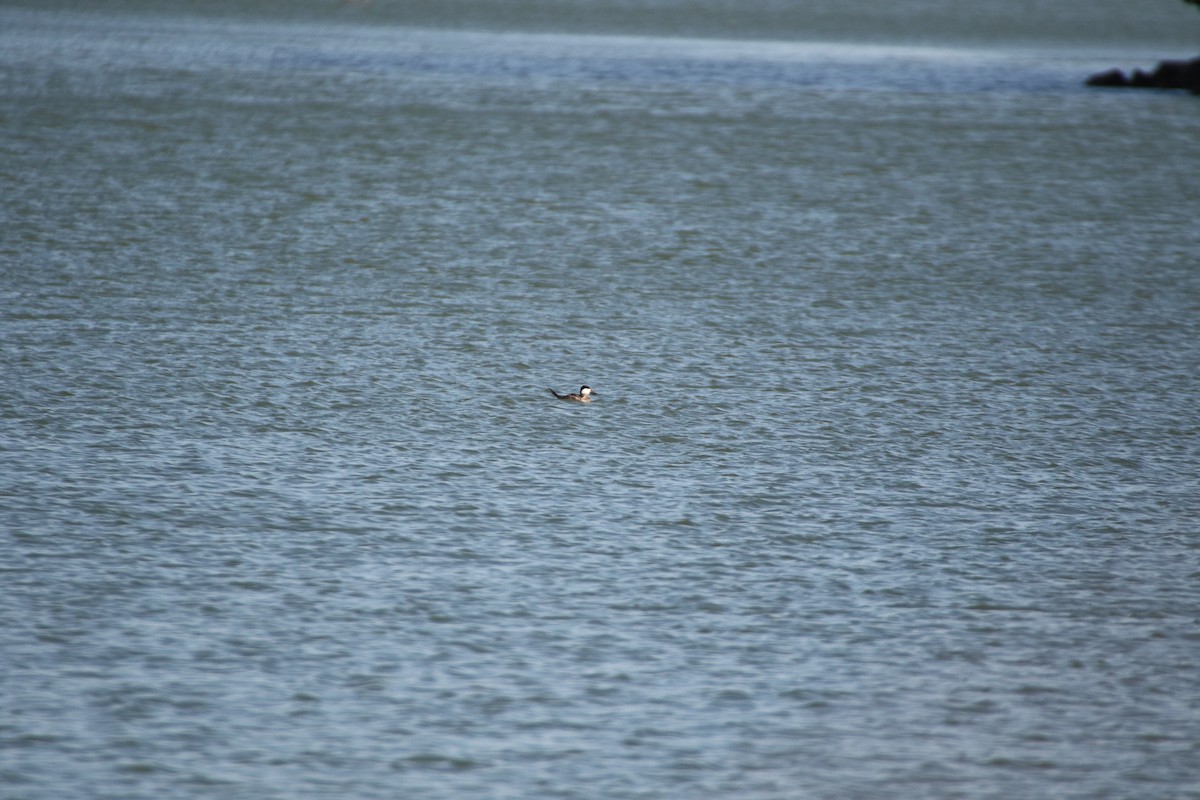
{"x": 584, "y": 395}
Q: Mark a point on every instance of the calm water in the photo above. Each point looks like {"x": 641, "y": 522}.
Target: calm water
{"x": 891, "y": 489}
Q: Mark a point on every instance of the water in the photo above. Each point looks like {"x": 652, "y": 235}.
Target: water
{"x": 890, "y": 490}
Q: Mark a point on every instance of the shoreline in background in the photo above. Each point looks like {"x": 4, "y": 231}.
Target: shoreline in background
{"x": 1168, "y": 28}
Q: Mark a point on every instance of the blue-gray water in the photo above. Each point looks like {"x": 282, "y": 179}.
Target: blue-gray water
{"x": 891, "y": 489}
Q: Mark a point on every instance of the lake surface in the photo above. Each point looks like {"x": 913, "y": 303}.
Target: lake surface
{"x": 891, "y": 487}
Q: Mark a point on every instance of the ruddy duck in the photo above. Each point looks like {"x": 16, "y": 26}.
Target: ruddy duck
{"x": 584, "y": 395}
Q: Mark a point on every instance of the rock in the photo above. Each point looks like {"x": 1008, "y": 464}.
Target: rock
{"x": 1114, "y": 77}
{"x": 1142, "y": 80}
{"x": 1167, "y": 75}
{"x": 1178, "y": 75}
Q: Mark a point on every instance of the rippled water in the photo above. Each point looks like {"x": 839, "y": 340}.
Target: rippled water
{"x": 890, "y": 490}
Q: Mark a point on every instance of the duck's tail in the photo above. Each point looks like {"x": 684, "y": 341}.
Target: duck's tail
{"x": 556, "y": 394}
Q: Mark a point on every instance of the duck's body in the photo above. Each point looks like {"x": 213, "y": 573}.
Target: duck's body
{"x": 584, "y": 395}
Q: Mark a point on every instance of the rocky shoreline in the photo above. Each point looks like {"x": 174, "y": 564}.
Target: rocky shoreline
{"x": 1167, "y": 75}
